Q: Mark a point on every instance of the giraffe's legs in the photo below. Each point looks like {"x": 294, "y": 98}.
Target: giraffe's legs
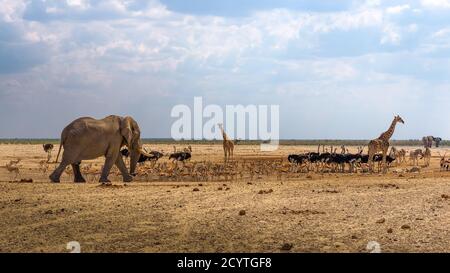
{"x": 370, "y": 159}
{"x": 384, "y": 159}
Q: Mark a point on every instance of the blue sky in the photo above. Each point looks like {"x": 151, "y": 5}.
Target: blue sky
{"x": 338, "y": 69}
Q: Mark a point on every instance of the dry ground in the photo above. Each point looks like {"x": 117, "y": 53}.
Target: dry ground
{"x": 313, "y": 212}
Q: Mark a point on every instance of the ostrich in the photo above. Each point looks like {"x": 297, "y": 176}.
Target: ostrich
{"x": 48, "y": 149}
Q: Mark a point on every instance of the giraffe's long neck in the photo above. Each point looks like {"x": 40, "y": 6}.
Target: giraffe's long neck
{"x": 225, "y": 137}
{"x": 388, "y": 134}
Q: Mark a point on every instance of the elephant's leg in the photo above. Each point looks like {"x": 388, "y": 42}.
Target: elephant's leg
{"x": 77, "y": 176}
{"x": 56, "y": 174}
{"x": 109, "y": 162}
{"x": 123, "y": 170}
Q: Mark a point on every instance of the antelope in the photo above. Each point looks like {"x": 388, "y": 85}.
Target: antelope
{"x": 414, "y": 156}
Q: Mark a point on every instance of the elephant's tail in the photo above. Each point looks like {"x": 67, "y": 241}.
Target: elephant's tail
{"x": 59, "y": 150}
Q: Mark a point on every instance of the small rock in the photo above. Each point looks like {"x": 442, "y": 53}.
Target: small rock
{"x": 18, "y": 200}
{"x": 195, "y": 189}
{"x": 286, "y": 246}
{"x": 219, "y": 188}
{"x": 227, "y": 189}
{"x": 354, "y": 237}
{"x": 339, "y": 244}
{"x": 26, "y": 180}
{"x": 242, "y": 212}
{"x": 49, "y": 212}
{"x": 381, "y": 221}
{"x": 200, "y": 184}
{"x": 390, "y": 230}
{"x": 445, "y": 196}
{"x": 406, "y": 227}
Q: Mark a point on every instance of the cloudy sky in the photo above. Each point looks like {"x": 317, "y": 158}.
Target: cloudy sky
{"x": 337, "y": 69}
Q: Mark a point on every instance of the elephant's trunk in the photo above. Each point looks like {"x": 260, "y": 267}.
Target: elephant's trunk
{"x": 134, "y": 157}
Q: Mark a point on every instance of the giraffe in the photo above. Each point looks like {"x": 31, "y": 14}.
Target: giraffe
{"x": 381, "y": 144}
{"x": 228, "y": 145}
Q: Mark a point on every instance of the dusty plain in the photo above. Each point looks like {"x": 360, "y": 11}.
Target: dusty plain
{"x": 289, "y": 212}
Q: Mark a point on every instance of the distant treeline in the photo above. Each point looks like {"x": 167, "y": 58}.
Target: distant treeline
{"x": 313, "y": 142}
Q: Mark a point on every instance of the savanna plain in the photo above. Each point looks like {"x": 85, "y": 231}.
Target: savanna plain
{"x": 259, "y": 204}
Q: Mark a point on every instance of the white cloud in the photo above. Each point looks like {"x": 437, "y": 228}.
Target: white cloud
{"x": 11, "y": 10}
{"x": 444, "y": 32}
{"x": 80, "y": 4}
{"x": 435, "y": 4}
{"x": 397, "y": 9}
{"x": 391, "y": 35}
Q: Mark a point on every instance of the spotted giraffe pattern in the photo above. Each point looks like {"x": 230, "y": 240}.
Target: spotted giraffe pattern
{"x": 381, "y": 144}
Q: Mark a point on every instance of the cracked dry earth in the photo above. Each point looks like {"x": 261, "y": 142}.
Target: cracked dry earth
{"x": 308, "y": 213}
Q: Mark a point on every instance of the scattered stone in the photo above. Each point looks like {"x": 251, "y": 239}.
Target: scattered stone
{"x": 381, "y": 221}
{"x": 328, "y": 191}
{"x": 249, "y": 183}
{"x": 306, "y": 211}
{"x": 26, "y": 180}
{"x": 49, "y": 212}
{"x": 390, "y": 230}
{"x": 389, "y": 185}
{"x": 200, "y": 184}
{"x": 227, "y": 189}
{"x": 354, "y": 237}
{"x": 219, "y": 188}
{"x": 286, "y": 246}
{"x": 406, "y": 227}
{"x": 339, "y": 245}
{"x": 242, "y": 212}
{"x": 195, "y": 189}
{"x": 265, "y": 191}
{"x": 414, "y": 170}
{"x": 445, "y": 196}
{"x": 18, "y": 200}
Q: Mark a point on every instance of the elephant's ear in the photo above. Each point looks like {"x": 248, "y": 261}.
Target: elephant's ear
{"x": 126, "y": 131}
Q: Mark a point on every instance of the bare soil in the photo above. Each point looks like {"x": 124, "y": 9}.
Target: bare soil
{"x": 315, "y": 212}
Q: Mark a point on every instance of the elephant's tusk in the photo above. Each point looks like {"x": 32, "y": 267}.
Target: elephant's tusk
{"x": 144, "y": 152}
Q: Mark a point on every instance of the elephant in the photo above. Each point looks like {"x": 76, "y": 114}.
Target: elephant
{"x": 88, "y": 138}
{"x": 427, "y": 141}
{"x": 437, "y": 140}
